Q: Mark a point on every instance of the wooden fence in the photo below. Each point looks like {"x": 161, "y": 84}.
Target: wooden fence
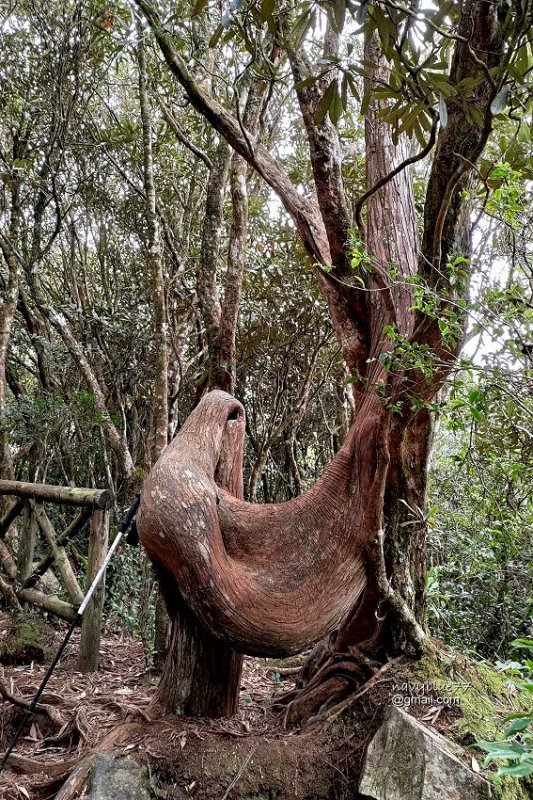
{"x": 21, "y": 573}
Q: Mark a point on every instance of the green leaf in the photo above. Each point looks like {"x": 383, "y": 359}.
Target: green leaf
{"x": 353, "y": 85}
{"x": 344, "y": 91}
{"x": 443, "y": 112}
{"x": 326, "y": 102}
{"x": 306, "y": 82}
{"x": 267, "y": 9}
{"x": 522, "y": 642}
{"x": 215, "y": 38}
{"x": 305, "y": 21}
{"x": 518, "y": 770}
{"x": 20, "y": 163}
{"x": 362, "y": 12}
{"x": 339, "y": 15}
{"x": 419, "y": 132}
{"x": 518, "y": 725}
{"x": 497, "y": 750}
{"x": 336, "y": 106}
{"x": 198, "y": 7}
{"x": 500, "y": 101}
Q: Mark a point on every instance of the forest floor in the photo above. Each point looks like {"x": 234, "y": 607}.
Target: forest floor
{"x": 249, "y": 755}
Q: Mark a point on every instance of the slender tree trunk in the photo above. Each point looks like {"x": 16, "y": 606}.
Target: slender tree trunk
{"x": 26, "y": 547}
{"x": 206, "y": 283}
{"x": 8, "y": 307}
{"x": 223, "y": 357}
{"x": 91, "y": 628}
{"x": 154, "y": 259}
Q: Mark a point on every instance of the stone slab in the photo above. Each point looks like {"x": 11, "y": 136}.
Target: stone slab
{"x": 407, "y": 761}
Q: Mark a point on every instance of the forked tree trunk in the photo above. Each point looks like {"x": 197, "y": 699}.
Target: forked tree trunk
{"x": 347, "y": 559}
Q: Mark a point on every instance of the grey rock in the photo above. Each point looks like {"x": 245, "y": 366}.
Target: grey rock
{"x": 407, "y": 761}
{"x": 106, "y": 776}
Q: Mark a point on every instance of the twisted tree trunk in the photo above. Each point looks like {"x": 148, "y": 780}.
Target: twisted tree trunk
{"x": 201, "y": 676}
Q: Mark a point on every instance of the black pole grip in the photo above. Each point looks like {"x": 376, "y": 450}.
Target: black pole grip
{"x": 130, "y": 513}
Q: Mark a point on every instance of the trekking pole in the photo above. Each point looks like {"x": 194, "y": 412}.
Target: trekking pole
{"x": 124, "y": 525}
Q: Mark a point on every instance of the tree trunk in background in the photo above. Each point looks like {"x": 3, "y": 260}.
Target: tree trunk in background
{"x": 223, "y": 355}
{"x": 26, "y": 547}
{"x": 206, "y": 281}
{"x": 202, "y": 674}
{"x": 8, "y": 307}
{"x": 154, "y": 260}
{"x": 91, "y": 626}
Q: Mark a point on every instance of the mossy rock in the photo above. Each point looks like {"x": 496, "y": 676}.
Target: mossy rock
{"x": 486, "y": 696}
{"x": 24, "y": 641}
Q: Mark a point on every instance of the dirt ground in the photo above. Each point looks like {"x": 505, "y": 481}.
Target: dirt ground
{"x": 249, "y": 755}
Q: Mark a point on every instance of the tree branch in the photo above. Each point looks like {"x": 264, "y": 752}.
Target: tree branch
{"x": 303, "y": 211}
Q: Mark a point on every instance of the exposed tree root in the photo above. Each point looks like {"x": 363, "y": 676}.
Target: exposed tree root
{"x": 413, "y": 631}
{"x": 335, "y": 679}
{"x": 52, "y": 713}
{"x": 77, "y": 767}
{"x": 332, "y": 712}
{"x": 54, "y": 772}
{"x": 76, "y": 782}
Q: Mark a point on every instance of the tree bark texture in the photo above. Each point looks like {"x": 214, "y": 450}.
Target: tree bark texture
{"x": 154, "y": 258}
{"x": 155, "y": 263}
{"x": 65, "y": 495}
{"x": 91, "y": 627}
{"x": 8, "y": 307}
{"x": 202, "y": 673}
{"x": 61, "y": 559}
{"x": 268, "y": 579}
{"x": 47, "y": 560}
{"x": 26, "y": 547}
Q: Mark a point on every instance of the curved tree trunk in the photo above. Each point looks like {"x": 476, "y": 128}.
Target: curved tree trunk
{"x": 350, "y": 552}
{"x": 201, "y": 676}
{"x": 268, "y": 579}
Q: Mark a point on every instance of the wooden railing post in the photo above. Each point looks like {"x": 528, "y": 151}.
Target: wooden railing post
{"x": 26, "y": 548}
{"x": 91, "y": 627}
{"x": 61, "y": 560}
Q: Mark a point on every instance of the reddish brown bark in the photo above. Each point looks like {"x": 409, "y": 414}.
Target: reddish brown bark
{"x": 269, "y": 579}
{"x": 202, "y": 673}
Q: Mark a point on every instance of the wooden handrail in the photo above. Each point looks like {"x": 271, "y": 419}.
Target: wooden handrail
{"x": 64, "y": 495}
